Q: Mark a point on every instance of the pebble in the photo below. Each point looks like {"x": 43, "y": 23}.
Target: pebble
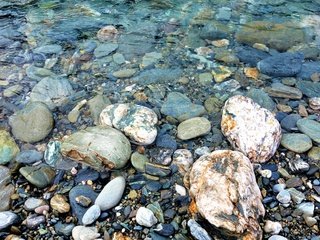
{"x": 157, "y": 170}
{"x": 111, "y": 194}
{"x": 165, "y": 229}
{"x": 107, "y": 33}
{"x": 294, "y": 182}
{"x": 296, "y": 195}
{"x": 193, "y": 127}
{"x": 105, "y": 49}
{"x": 310, "y": 128}
{"x": 7, "y": 218}
{"x": 42, "y": 209}
{"x": 12, "y": 91}
{"x": 310, "y": 221}
{"x": 52, "y": 154}
{"x": 29, "y": 156}
{"x": 32, "y": 203}
{"x": 296, "y": 142}
{"x": 96, "y": 105}
{"x": 289, "y": 123}
{"x": 306, "y": 208}
{"x": 272, "y": 227}
{"x": 85, "y": 233}
{"x": 64, "y": 228}
{"x": 180, "y": 190}
{"x": 197, "y": 231}
{"x": 8, "y": 147}
{"x": 278, "y": 187}
{"x": 40, "y": 176}
{"x": 59, "y": 203}
{"x": 280, "y": 90}
{"x": 277, "y": 237}
{"x": 34, "y": 221}
{"x": 183, "y": 159}
{"x": 124, "y": 73}
{"x": 284, "y": 197}
{"x": 91, "y": 215}
{"x": 83, "y": 201}
{"x": 262, "y": 98}
{"x": 145, "y": 217}
{"x": 86, "y": 174}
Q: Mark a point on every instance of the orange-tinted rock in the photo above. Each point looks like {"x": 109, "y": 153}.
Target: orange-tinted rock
{"x": 107, "y": 33}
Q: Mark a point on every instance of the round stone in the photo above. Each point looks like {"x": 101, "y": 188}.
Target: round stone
{"x": 111, "y": 194}
{"x": 91, "y": 215}
{"x": 107, "y": 33}
{"x": 82, "y": 232}
{"x": 33, "y": 123}
{"x": 139, "y": 161}
{"x": 145, "y": 217}
{"x": 7, "y": 218}
{"x": 193, "y": 127}
{"x": 59, "y": 203}
{"x": 40, "y": 176}
{"x": 137, "y": 122}
{"x": 314, "y": 153}
{"x": 284, "y": 197}
{"x": 310, "y": 128}
{"x": 8, "y": 147}
{"x": 296, "y": 142}
{"x": 32, "y": 203}
{"x": 272, "y": 227}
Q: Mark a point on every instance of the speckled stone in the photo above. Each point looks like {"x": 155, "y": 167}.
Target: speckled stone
{"x": 40, "y": 176}
{"x": 137, "y": 122}
{"x": 59, "y": 203}
{"x": 250, "y": 128}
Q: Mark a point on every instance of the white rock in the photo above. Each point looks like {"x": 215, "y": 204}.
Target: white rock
{"x": 277, "y": 237}
{"x": 85, "y": 233}
{"x": 272, "y": 227}
{"x": 91, "y": 215}
{"x": 137, "y": 122}
{"x": 32, "y": 203}
{"x": 183, "y": 159}
{"x": 145, "y": 217}
{"x": 180, "y": 190}
{"x": 223, "y": 184}
{"x": 111, "y": 194}
{"x": 250, "y": 128}
{"x": 310, "y": 221}
{"x": 7, "y": 218}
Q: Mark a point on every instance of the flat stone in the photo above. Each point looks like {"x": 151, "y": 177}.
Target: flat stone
{"x": 157, "y": 169}
{"x": 5, "y": 176}
{"x": 33, "y": 221}
{"x": 281, "y": 65}
{"x": 12, "y": 91}
{"x": 250, "y": 55}
{"x": 213, "y": 105}
{"x": 124, "y": 73}
{"x": 296, "y": 195}
{"x": 52, "y": 91}
{"x": 91, "y": 215}
{"x": 96, "y": 105}
{"x": 7, "y": 218}
{"x": 145, "y": 217}
{"x": 197, "y": 231}
{"x": 87, "y": 174}
{"x": 280, "y": 90}
{"x": 296, "y": 142}
{"x": 150, "y": 58}
{"x": 314, "y": 153}
{"x": 222, "y": 181}
{"x": 310, "y": 128}
{"x": 284, "y": 197}
{"x": 32, "y": 203}
{"x": 48, "y": 49}
{"x": 111, "y": 194}
{"x": 98, "y": 147}
{"x": 40, "y": 176}
{"x": 289, "y": 122}
{"x": 37, "y": 73}
{"x": 137, "y": 122}
{"x": 273, "y": 35}
{"x": 139, "y": 161}
{"x": 105, "y": 49}
{"x": 59, "y": 203}
{"x": 193, "y": 127}
{"x": 8, "y": 147}
{"x": 308, "y": 88}
{"x": 309, "y": 68}
{"x": 159, "y": 76}
{"x": 82, "y": 232}
{"x": 64, "y": 228}
{"x": 294, "y": 182}
{"x": 221, "y": 73}
{"x": 179, "y": 106}
{"x": 250, "y": 128}
{"x": 33, "y": 123}
{"x": 262, "y": 98}
{"x": 81, "y": 190}
{"x": 5, "y": 196}
{"x": 29, "y": 156}
{"x": 306, "y": 208}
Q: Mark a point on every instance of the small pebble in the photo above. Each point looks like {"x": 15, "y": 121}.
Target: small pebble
{"x": 91, "y": 215}
{"x": 272, "y": 227}
{"x": 284, "y": 197}
{"x": 145, "y": 217}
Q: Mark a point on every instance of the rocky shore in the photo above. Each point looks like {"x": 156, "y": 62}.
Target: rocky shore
{"x": 159, "y": 120}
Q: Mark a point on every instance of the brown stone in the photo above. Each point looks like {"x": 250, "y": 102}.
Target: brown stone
{"x": 59, "y": 203}
{"x": 224, "y": 191}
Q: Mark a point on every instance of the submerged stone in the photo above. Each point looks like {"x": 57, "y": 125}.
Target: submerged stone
{"x": 8, "y": 147}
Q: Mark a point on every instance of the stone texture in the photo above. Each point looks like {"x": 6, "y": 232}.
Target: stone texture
{"x": 310, "y": 128}
{"x": 193, "y": 127}
{"x": 296, "y": 142}
{"x": 40, "y": 176}
{"x": 225, "y": 192}
{"x": 8, "y": 147}
{"x": 282, "y": 91}
{"x": 183, "y": 159}
{"x": 137, "y": 122}
{"x": 274, "y": 35}
{"x": 33, "y": 123}
{"x": 111, "y": 194}
{"x": 54, "y": 92}
{"x": 59, "y": 203}
{"x": 98, "y": 147}
{"x": 250, "y": 129}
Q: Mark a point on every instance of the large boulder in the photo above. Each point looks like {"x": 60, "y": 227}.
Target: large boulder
{"x": 250, "y": 128}
{"x": 137, "y": 122}
{"x": 225, "y": 192}
{"x": 32, "y": 123}
{"x": 98, "y": 147}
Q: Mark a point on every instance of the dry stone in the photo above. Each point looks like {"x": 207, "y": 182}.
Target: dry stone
{"x": 137, "y": 122}
{"x": 250, "y": 128}
{"x": 225, "y": 192}
{"x": 98, "y": 147}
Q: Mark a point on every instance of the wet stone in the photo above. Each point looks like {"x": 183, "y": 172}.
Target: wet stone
{"x": 157, "y": 170}
{"x": 5, "y": 196}
{"x": 7, "y": 218}
{"x": 193, "y": 127}
{"x": 145, "y": 217}
{"x": 289, "y": 123}
{"x": 52, "y": 154}
{"x": 296, "y": 195}
{"x": 250, "y": 55}
{"x": 296, "y": 142}
{"x": 59, "y": 203}
{"x": 309, "y": 68}
{"x": 262, "y": 98}
{"x": 77, "y": 209}
{"x": 86, "y": 174}
{"x": 34, "y": 221}
{"x": 40, "y": 176}
{"x": 157, "y": 211}
{"x": 96, "y": 105}
{"x": 180, "y": 107}
{"x": 166, "y": 141}
{"x": 139, "y": 161}
{"x": 294, "y": 182}
{"x": 32, "y": 203}
{"x": 310, "y": 128}
{"x": 159, "y": 76}
{"x": 308, "y": 88}
{"x": 8, "y": 148}
{"x": 104, "y": 50}
{"x": 305, "y": 208}
{"x": 83, "y": 201}
{"x": 197, "y": 231}
{"x": 165, "y": 229}
{"x": 314, "y": 153}
{"x": 284, "y": 197}
{"x": 48, "y": 49}
{"x": 280, "y": 90}
{"x": 64, "y": 228}
{"x": 29, "y": 156}
{"x": 91, "y": 215}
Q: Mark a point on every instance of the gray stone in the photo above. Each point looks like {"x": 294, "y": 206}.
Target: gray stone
{"x": 250, "y": 128}
{"x": 7, "y": 218}
{"x": 222, "y": 181}
{"x": 111, "y": 194}
{"x": 96, "y": 105}
{"x": 306, "y": 209}
{"x": 48, "y": 49}
{"x": 137, "y": 122}
{"x": 278, "y": 187}
{"x": 124, "y": 73}
{"x": 296, "y": 195}
{"x": 282, "y": 91}
{"x": 284, "y": 197}
{"x": 12, "y": 91}
{"x": 309, "y": 68}
{"x": 29, "y": 156}
{"x": 98, "y": 147}
{"x": 281, "y": 65}
{"x": 64, "y": 228}
{"x": 5, "y": 196}
{"x": 105, "y": 49}
{"x": 262, "y": 98}
{"x": 33, "y": 221}
{"x": 289, "y": 123}
{"x": 308, "y": 88}
{"x": 36, "y": 73}
{"x": 159, "y": 76}
{"x": 54, "y": 92}
{"x": 277, "y": 237}
{"x": 33, "y": 123}
{"x": 40, "y": 176}
{"x": 272, "y": 227}
{"x": 197, "y": 231}
{"x": 250, "y": 55}
{"x": 8, "y": 147}
{"x": 32, "y": 203}
{"x": 224, "y": 14}
{"x": 145, "y": 217}
{"x": 139, "y": 161}
{"x": 296, "y": 142}
{"x": 179, "y": 106}
{"x": 91, "y": 215}
{"x": 5, "y": 176}
{"x": 310, "y": 128}
{"x": 193, "y": 127}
